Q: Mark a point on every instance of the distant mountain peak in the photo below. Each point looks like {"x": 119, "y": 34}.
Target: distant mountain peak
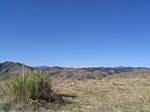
{"x": 86, "y": 72}
{"x": 9, "y": 66}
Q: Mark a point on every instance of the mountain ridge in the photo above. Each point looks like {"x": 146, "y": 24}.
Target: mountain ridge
{"x": 8, "y": 67}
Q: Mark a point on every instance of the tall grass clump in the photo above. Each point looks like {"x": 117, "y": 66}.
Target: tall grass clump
{"x": 29, "y": 87}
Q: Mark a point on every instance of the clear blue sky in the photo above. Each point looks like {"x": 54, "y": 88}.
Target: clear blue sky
{"x": 75, "y": 32}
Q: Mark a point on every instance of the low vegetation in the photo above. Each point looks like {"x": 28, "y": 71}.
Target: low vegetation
{"x": 30, "y": 88}
{"x": 104, "y": 95}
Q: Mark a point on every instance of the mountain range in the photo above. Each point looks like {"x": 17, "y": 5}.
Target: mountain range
{"x": 8, "y": 68}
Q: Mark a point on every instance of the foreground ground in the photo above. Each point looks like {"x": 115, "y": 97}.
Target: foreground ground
{"x": 114, "y": 95}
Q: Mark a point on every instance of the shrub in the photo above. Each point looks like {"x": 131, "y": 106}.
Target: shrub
{"x": 29, "y": 87}
{"x": 99, "y": 78}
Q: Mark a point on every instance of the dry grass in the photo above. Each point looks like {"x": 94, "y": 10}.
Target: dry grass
{"x": 115, "y": 95}
{"x": 123, "y": 95}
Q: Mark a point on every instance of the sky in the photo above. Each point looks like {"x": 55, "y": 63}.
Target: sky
{"x": 75, "y": 33}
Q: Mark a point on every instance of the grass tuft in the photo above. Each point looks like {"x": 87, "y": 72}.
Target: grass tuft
{"x": 29, "y": 87}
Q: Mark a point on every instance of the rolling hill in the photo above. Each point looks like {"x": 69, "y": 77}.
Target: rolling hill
{"x": 7, "y": 68}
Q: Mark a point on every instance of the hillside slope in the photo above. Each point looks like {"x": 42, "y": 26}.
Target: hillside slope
{"x": 7, "y": 68}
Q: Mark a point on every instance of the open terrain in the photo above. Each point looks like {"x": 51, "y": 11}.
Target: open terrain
{"x": 108, "y": 95}
{"x": 93, "y": 89}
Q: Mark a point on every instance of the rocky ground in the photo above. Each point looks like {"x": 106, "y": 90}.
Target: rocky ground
{"x": 111, "y": 95}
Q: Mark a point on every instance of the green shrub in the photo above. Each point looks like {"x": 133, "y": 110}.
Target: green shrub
{"x": 99, "y": 78}
{"x": 29, "y": 87}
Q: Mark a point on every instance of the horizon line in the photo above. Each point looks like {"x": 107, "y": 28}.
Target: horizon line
{"x": 80, "y": 66}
